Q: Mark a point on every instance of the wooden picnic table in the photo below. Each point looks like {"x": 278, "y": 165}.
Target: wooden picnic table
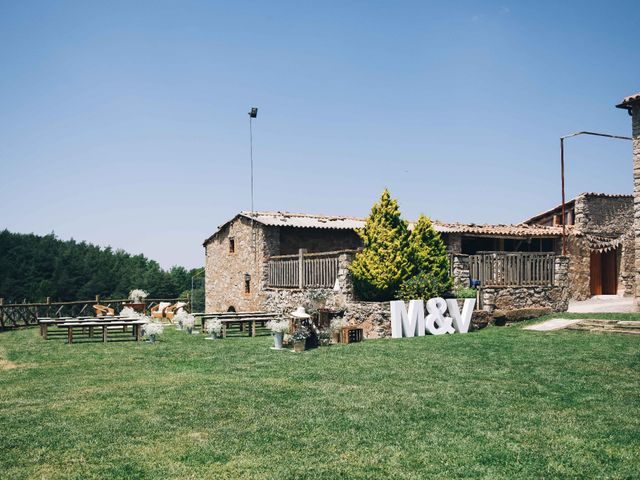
{"x": 44, "y": 322}
{"x": 136, "y": 324}
{"x": 241, "y": 318}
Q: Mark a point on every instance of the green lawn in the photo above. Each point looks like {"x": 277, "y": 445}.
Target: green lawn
{"x": 499, "y": 403}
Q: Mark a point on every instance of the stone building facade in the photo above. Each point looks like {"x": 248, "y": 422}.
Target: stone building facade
{"x": 236, "y": 255}
{"x": 600, "y": 243}
{"x": 632, "y": 105}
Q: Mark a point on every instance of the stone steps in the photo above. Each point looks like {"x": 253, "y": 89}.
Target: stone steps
{"x": 607, "y": 326}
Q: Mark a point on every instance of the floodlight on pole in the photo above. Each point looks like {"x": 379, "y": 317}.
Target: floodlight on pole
{"x": 253, "y": 113}
{"x": 562, "y": 139}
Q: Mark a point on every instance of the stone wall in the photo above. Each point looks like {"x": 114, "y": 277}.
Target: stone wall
{"x": 225, "y": 271}
{"x": 555, "y": 297}
{"x": 605, "y": 217}
{"x": 460, "y": 270}
{"x": 636, "y": 194}
{"x": 579, "y": 268}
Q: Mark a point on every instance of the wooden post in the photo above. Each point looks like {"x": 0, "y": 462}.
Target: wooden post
{"x": 49, "y": 307}
{"x": 1, "y": 313}
{"x": 301, "y": 253}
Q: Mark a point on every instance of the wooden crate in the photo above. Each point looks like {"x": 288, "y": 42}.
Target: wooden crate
{"x": 351, "y": 335}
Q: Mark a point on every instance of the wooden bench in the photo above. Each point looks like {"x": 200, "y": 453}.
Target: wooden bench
{"x": 239, "y": 318}
{"x": 136, "y": 324}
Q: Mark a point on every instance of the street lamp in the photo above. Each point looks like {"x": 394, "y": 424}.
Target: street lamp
{"x": 253, "y": 113}
{"x": 562, "y": 139}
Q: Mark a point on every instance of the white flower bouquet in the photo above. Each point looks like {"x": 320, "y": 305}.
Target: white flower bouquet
{"x": 278, "y": 326}
{"x": 151, "y": 329}
{"x": 213, "y": 326}
{"x": 337, "y": 324}
{"x": 137, "y": 295}
{"x": 188, "y": 321}
{"x": 128, "y": 312}
{"x": 179, "y": 319}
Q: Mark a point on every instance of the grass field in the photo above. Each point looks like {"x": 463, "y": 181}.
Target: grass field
{"x": 499, "y": 403}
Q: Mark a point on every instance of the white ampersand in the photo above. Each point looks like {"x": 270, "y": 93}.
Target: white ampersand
{"x": 436, "y": 323}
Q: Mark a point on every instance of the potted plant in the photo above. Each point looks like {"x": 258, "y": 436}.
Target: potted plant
{"x": 299, "y": 338}
{"x": 179, "y": 319}
{"x": 152, "y": 329}
{"x": 213, "y": 328}
{"x": 137, "y": 300}
{"x": 324, "y": 338}
{"x": 278, "y": 329}
{"x": 336, "y": 326}
{"x": 188, "y": 321}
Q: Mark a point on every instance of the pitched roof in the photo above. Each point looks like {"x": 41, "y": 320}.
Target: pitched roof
{"x": 627, "y": 101}
{"x": 334, "y": 222}
{"x": 569, "y": 202}
{"x": 305, "y": 220}
{"x": 519, "y": 230}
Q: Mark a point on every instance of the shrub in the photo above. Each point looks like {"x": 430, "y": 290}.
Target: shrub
{"x": 420, "y": 286}
{"x": 381, "y": 267}
{"x": 466, "y": 292}
{"x": 428, "y": 255}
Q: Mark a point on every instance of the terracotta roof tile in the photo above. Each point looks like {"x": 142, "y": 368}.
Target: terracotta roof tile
{"x": 629, "y": 100}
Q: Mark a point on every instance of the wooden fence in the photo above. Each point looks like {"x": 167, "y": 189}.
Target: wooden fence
{"x": 304, "y": 270}
{"x": 25, "y": 314}
{"x": 506, "y": 269}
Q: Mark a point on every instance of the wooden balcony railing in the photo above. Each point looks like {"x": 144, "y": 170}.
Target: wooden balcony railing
{"x": 512, "y": 269}
{"x": 304, "y": 270}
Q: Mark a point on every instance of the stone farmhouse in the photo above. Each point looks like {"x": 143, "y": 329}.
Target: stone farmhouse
{"x": 601, "y": 243}
{"x": 267, "y": 260}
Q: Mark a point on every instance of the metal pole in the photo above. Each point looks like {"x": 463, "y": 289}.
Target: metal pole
{"x": 564, "y": 226}
{"x": 251, "y": 157}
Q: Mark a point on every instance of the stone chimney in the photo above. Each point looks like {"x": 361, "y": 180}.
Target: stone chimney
{"x": 632, "y": 105}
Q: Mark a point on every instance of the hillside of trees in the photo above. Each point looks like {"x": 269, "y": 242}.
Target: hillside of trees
{"x": 34, "y": 267}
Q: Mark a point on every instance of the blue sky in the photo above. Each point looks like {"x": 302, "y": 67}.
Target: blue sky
{"x": 125, "y": 123}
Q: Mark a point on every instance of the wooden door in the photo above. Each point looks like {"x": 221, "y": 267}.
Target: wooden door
{"x": 596, "y": 273}
{"x": 609, "y": 273}
{"x": 604, "y": 273}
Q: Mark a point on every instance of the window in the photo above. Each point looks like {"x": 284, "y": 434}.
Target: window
{"x": 232, "y": 245}
{"x": 247, "y": 283}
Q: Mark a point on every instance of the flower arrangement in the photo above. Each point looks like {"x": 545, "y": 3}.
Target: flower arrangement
{"x": 337, "y": 324}
{"x": 300, "y": 335}
{"x": 324, "y": 337}
{"x": 213, "y": 327}
{"x": 316, "y": 299}
{"x": 179, "y": 319}
{"x": 278, "y": 326}
{"x": 137, "y": 295}
{"x": 188, "y": 321}
{"x": 129, "y": 312}
{"x": 151, "y": 329}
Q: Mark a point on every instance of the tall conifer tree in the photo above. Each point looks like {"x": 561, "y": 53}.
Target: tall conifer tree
{"x": 383, "y": 265}
{"x": 428, "y": 255}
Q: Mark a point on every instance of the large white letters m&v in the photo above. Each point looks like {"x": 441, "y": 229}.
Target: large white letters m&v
{"x": 413, "y": 323}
